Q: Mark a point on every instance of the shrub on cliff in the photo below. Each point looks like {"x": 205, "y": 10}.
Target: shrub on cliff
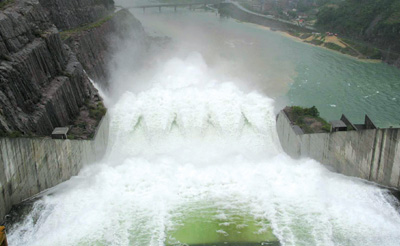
{"x": 4, "y": 3}
{"x": 300, "y": 111}
{"x": 307, "y": 119}
{"x": 13, "y": 134}
{"x": 97, "y": 112}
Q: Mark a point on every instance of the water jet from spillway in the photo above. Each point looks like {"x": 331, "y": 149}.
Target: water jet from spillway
{"x": 195, "y": 156}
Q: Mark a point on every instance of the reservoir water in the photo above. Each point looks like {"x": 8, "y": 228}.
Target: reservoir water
{"x": 279, "y": 66}
{"x": 194, "y": 157}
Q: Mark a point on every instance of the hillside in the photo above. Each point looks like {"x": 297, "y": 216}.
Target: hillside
{"x": 376, "y": 22}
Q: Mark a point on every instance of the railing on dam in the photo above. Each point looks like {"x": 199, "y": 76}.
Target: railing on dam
{"x": 370, "y": 154}
{"x": 31, "y": 165}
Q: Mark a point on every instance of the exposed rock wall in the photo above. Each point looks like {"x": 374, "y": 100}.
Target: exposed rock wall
{"x": 31, "y": 165}
{"x": 372, "y": 155}
{"x": 73, "y": 13}
{"x": 42, "y": 85}
{"x": 90, "y": 24}
{"x": 42, "y": 82}
{"x": 92, "y": 46}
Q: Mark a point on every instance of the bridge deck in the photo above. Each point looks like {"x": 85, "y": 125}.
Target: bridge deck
{"x": 171, "y": 5}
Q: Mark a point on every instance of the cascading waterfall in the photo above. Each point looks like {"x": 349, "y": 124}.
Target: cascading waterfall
{"x": 193, "y": 161}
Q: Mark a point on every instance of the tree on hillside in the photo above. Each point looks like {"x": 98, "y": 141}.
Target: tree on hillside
{"x": 376, "y": 21}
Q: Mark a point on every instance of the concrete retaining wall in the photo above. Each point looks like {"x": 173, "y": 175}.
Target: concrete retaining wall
{"x": 373, "y": 155}
{"x": 31, "y": 165}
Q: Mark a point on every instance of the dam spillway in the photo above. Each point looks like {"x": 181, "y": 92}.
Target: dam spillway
{"x": 194, "y": 158}
{"x": 200, "y": 152}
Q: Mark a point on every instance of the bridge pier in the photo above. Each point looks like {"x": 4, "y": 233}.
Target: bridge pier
{"x": 159, "y": 9}
{"x": 175, "y": 8}
{"x": 144, "y": 10}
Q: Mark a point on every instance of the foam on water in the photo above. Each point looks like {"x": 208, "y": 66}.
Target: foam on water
{"x": 191, "y": 143}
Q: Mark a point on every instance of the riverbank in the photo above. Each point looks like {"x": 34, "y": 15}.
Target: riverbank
{"x": 341, "y": 45}
{"x": 304, "y": 34}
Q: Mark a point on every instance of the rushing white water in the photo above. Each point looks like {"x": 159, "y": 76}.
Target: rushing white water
{"x": 191, "y": 144}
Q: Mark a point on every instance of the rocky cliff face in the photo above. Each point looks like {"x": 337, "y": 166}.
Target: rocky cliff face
{"x": 42, "y": 81}
{"x": 72, "y": 13}
{"x": 92, "y": 45}
{"x": 42, "y": 84}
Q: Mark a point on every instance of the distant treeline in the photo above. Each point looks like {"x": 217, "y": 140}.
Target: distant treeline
{"x": 373, "y": 21}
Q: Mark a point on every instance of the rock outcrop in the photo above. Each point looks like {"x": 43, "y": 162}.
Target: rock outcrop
{"x": 42, "y": 79}
{"x": 92, "y": 45}
{"x": 42, "y": 85}
{"x": 72, "y": 13}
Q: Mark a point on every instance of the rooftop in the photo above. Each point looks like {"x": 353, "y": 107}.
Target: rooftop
{"x": 60, "y": 131}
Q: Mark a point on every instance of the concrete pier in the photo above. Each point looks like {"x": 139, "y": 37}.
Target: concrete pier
{"x": 370, "y": 154}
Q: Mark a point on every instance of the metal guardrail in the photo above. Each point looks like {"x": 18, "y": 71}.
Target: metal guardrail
{"x": 3, "y": 237}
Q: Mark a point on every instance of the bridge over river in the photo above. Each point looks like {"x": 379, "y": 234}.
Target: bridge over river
{"x": 191, "y": 5}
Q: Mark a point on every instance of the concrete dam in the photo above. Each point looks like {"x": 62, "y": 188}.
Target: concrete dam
{"x": 168, "y": 141}
{"x": 373, "y": 154}
{"x": 31, "y": 165}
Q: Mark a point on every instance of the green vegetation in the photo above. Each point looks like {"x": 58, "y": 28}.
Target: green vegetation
{"x": 352, "y": 48}
{"x": 4, "y": 3}
{"x": 68, "y": 33}
{"x": 5, "y": 57}
{"x": 300, "y": 111}
{"x": 82, "y": 125}
{"x": 333, "y": 46}
{"x": 366, "y": 50}
{"x": 66, "y": 74}
{"x": 295, "y": 34}
{"x": 98, "y": 111}
{"x": 349, "y": 51}
{"x": 105, "y": 2}
{"x": 346, "y": 50}
{"x": 307, "y": 6}
{"x": 181, "y": 1}
{"x": 305, "y": 35}
{"x": 315, "y": 42}
{"x": 372, "y": 21}
{"x": 14, "y": 134}
{"x": 307, "y": 119}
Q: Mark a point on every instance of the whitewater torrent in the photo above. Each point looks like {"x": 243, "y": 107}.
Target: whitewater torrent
{"x": 190, "y": 150}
